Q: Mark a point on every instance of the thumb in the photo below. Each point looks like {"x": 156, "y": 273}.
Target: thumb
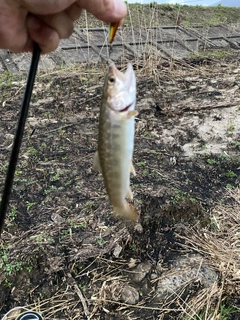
{"x": 105, "y": 10}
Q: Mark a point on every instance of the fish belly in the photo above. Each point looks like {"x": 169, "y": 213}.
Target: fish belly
{"x": 116, "y": 138}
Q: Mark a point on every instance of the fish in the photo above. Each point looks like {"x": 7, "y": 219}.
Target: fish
{"x": 116, "y": 138}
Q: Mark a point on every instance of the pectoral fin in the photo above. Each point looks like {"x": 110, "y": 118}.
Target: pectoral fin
{"x": 132, "y": 113}
{"x": 129, "y": 114}
{"x": 96, "y": 162}
{"x": 129, "y": 194}
{"x": 132, "y": 169}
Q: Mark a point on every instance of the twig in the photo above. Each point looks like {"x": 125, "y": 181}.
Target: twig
{"x": 80, "y": 295}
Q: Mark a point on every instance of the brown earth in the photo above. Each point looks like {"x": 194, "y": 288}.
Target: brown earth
{"x": 62, "y": 251}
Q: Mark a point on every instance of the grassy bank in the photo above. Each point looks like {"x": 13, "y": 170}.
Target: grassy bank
{"x": 165, "y": 14}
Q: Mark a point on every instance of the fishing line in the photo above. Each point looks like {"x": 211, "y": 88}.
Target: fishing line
{"x": 19, "y": 134}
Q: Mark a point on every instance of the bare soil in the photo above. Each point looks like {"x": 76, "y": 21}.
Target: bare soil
{"x": 62, "y": 251}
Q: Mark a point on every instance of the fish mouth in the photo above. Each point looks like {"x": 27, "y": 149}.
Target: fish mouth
{"x": 126, "y": 77}
{"x": 126, "y": 108}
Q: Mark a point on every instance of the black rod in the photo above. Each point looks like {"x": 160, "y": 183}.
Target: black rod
{"x": 19, "y": 134}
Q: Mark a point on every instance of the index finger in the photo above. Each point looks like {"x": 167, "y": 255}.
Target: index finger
{"x": 105, "y": 10}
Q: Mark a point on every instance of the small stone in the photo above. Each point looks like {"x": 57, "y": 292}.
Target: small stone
{"x": 140, "y": 272}
{"x": 117, "y": 250}
{"x": 56, "y": 218}
{"x": 132, "y": 263}
{"x": 129, "y": 295}
{"x": 153, "y": 276}
{"x": 184, "y": 270}
{"x": 138, "y": 228}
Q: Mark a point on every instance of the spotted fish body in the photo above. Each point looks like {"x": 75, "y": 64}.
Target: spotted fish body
{"x": 116, "y": 138}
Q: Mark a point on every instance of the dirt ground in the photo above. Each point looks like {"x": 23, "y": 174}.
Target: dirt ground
{"x": 60, "y": 236}
{"x": 63, "y": 252}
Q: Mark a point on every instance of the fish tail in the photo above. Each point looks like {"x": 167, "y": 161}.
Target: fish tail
{"x": 126, "y": 211}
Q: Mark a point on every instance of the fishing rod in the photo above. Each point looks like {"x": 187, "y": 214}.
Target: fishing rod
{"x": 19, "y": 134}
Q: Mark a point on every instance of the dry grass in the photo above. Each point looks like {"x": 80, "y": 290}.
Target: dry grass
{"x": 220, "y": 246}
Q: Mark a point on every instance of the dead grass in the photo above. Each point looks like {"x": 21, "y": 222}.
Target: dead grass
{"x": 59, "y": 263}
{"x": 220, "y": 246}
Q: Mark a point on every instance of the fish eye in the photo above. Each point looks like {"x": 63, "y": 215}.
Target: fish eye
{"x": 111, "y": 80}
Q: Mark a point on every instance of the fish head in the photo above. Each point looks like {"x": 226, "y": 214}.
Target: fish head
{"x": 120, "y": 89}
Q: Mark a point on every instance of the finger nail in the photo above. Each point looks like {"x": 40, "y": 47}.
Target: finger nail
{"x": 120, "y": 8}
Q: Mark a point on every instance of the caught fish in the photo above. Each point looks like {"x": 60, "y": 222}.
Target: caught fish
{"x": 112, "y": 30}
{"x": 116, "y": 138}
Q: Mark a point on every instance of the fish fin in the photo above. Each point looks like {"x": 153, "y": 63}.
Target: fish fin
{"x": 127, "y": 211}
{"x": 96, "y": 162}
{"x": 129, "y": 114}
{"x": 129, "y": 194}
{"x": 132, "y": 113}
{"x": 132, "y": 169}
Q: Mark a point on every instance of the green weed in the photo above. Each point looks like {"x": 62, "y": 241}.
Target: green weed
{"x": 230, "y": 174}
{"x": 100, "y": 241}
{"x": 223, "y": 313}
{"x": 89, "y": 205}
{"x": 30, "y": 205}
{"x": 50, "y": 189}
{"x": 13, "y": 267}
{"x": 55, "y": 176}
{"x": 141, "y": 164}
{"x": 12, "y": 215}
{"x": 179, "y": 196}
{"x": 213, "y": 161}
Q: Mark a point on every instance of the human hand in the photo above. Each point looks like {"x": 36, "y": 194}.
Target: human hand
{"x": 23, "y": 22}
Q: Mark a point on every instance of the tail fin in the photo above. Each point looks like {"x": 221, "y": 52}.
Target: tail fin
{"x": 127, "y": 211}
